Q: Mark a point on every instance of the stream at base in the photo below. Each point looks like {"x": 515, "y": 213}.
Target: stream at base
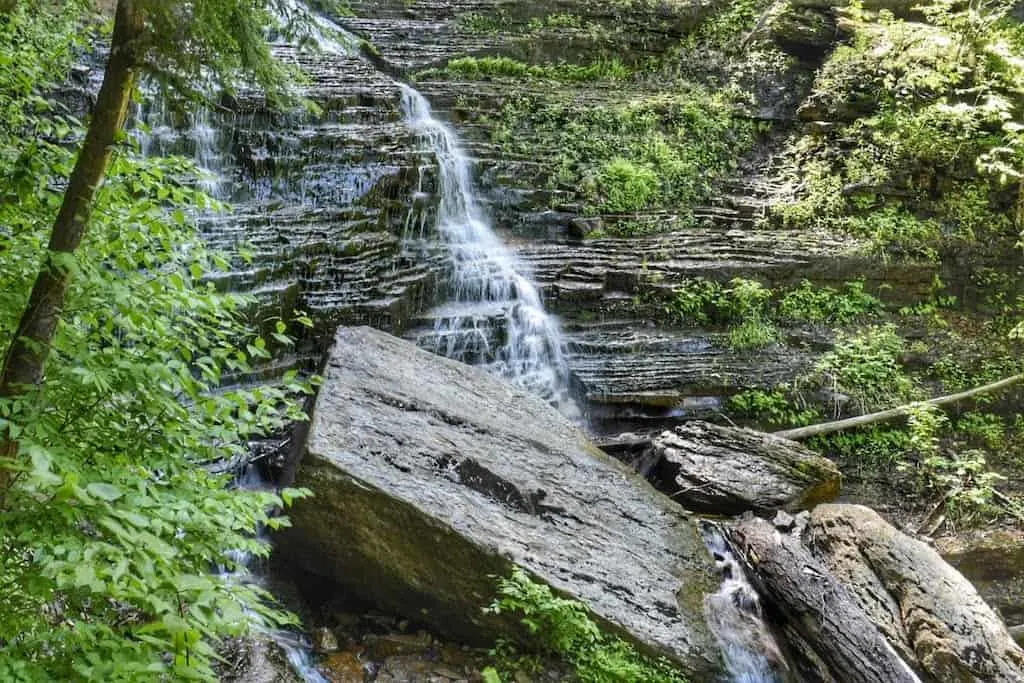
{"x": 734, "y": 616}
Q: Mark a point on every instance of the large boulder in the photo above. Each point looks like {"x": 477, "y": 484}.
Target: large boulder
{"x": 432, "y": 478}
{"x": 724, "y": 470}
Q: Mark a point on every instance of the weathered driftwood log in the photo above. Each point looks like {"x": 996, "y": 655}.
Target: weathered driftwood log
{"x": 725, "y": 470}
{"x": 817, "y": 606}
{"x": 801, "y": 433}
{"x": 923, "y": 605}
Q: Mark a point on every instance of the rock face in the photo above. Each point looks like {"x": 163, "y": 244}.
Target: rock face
{"x": 729, "y": 471}
{"x": 844, "y": 566}
{"x": 992, "y": 560}
{"x": 431, "y": 478}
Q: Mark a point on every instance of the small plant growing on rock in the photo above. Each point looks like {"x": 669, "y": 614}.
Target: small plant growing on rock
{"x": 562, "y": 629}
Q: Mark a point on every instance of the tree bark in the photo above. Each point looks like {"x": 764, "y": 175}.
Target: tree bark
{"x": 901, "y": 411}
{"x": 25, "y": 359}
{"x": 817, "y": 606}
{"x": 723, "y": 470}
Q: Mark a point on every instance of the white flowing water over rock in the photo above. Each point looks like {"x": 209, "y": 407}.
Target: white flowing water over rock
{"x": 734, "y": 615}
{"x": 295, "y": 646}
{"x": 495, "y": 314}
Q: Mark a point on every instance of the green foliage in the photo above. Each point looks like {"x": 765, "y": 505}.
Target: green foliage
{"x": 960, "y": 478}
{"x": 695, "y": 300}
{"x": 924, "y": 155}
{"x": 563, "y": 629}
{"x": 687, "y": 139}
{"x": 864, "y": 367}
{"x": 826, "y": 305}
{"x": 709, "y": 302}
{"x": 627, "y": 186}
{"x": 775, "y": 408}
{"x": 872, "y": 447}
{"x": 115, "y": 521}
{"x": 478, "y": 68}
{"x": 753, "y": 333}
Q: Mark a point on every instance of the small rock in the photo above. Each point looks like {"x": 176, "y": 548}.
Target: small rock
{"x": 784, "y": 521}
{"x": 344, "y": 667}
{"x": 324, "y": 641}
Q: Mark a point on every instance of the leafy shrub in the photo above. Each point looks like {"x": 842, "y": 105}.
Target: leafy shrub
{"x": 775, "y": 408}
{"x": 826, "y": 305}
{"x": 865, "y": 368}
{"x": 986, "y": 428}
{"x": 626, "y": 186}
{"x": 753, "y": 333}
{"x": 563, "y": 629}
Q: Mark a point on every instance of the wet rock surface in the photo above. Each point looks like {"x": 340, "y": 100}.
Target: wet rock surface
{"x": 432, "y": 477}
{"x": 723, "y": 470}
{"x": 254, "y": 660}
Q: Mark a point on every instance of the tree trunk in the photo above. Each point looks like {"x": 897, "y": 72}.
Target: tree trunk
{"x": 816, "y": 605}
{"x": 802, "y": 433}
{"x": 25, "y": 359}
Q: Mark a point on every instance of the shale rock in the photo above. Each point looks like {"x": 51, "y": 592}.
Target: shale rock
{"x": 727, "y": 471}
{"x": 993, "y": 561}
{"x": 432, "y": 477}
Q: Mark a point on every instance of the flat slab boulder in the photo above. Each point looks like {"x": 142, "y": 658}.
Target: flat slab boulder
{"x": 431, "y": 478}
{"x": 725, "y": 470}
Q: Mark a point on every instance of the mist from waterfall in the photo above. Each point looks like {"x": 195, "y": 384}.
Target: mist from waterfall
{"x": 486, "y": 280}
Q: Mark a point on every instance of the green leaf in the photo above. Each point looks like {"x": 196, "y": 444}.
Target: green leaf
{"x": 104, "y": 491}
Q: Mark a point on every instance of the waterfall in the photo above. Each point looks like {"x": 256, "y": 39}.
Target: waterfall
{"x": 734, "y": 616}
{"x": 294, "y": 645}
{"x": 486, "y": 281}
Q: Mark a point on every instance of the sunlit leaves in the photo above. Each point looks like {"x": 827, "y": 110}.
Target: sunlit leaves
{"x": 112, "y": 536}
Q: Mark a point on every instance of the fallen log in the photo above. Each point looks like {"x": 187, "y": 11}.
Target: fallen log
{"x": 726, "y": 470}
{"x": 816, "y": 605}
{"x": 802, "y": 433}
{"x": 924, "y": 606}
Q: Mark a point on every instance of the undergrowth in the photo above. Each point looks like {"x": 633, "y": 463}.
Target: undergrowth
{"x": 563, "y": 629}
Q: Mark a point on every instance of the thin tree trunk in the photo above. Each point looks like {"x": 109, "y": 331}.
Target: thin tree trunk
{"x": 25, "y": 359}
{"x": 900, "y": 411}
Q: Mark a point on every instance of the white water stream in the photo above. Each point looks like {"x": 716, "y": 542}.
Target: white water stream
{"x": 734, "y": 615}
{"x": 486, "y": 281}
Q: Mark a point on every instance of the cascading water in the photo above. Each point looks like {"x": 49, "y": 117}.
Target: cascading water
{"x": 486, "y": 281}
{"x": 295, "y": 646}
{"x": 200, "y": 138}
{"x": 734, "y": 615}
